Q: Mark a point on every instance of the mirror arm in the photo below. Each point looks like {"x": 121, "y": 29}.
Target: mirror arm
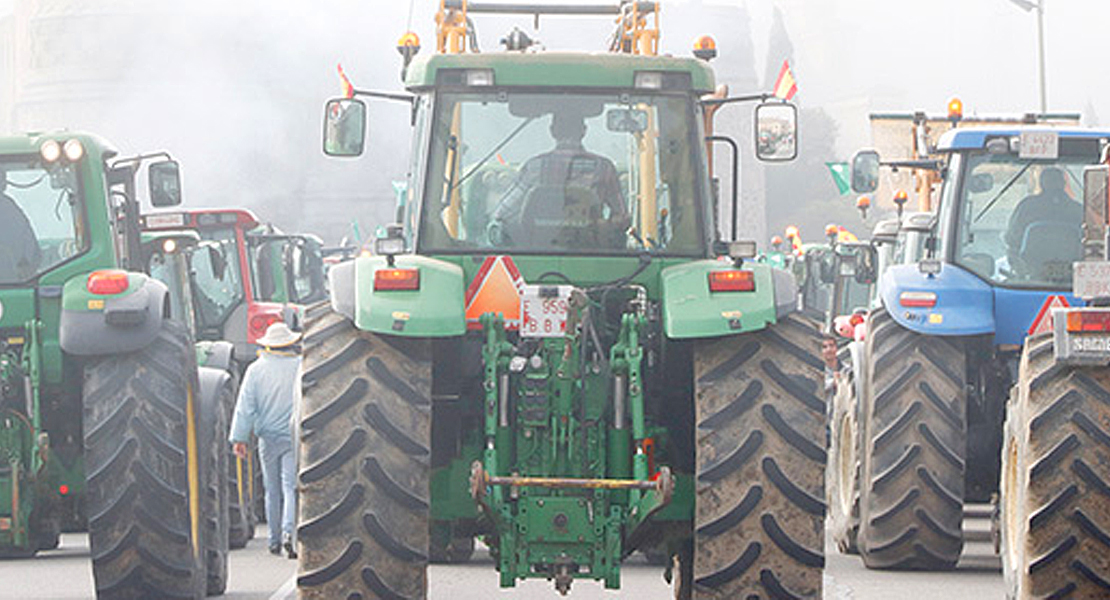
{"x": 394, "y": 96}
{"x": 760, "y": 97}
{"x": 929, "y": 165}
{"x": 735, "y": 177}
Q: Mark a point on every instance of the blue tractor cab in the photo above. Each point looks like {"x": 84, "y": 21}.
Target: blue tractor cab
{"x": 943, "y": 345}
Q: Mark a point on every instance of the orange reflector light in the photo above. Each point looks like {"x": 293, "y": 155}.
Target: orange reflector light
{"x": 791, "y": 231}
{"x": 918, "y": 299}
{"x": 409, "y": 39}
{"x": 396, "y": 279}
{"x": 107, "y": 282}
{"x": 1085, "y": 321}
{"x": 955, "y": 109}
{"x": 863, "y": 202}
{"x": 776, "y": 241}
{"x": 831, "y": 230}
{"x": 63, "y": 489}
{"x": 731, "y": 281}
{"x": 900, "y": 197}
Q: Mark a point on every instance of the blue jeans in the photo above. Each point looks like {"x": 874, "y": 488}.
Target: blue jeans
{"x": 279, "y": 472}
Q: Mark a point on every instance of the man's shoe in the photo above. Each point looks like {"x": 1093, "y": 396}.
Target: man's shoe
{"x": 289, "y": 550}
{"x": 275, "y": 549}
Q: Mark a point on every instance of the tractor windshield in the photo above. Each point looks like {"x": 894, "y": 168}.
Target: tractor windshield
{"x": 1020, "y": 221}
{"x": 41, "y": 222}
{"x": 217, "y": 281}
{"x": 574, "y": 173}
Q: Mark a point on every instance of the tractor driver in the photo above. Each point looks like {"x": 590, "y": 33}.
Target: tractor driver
{"x": 1044, "y": 226}
{"x": 579, "y": 180}
{"x": 19, "y": 246}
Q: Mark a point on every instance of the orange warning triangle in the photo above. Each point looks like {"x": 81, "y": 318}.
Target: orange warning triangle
{"x": 1043, "y": 322}
{"x": 495, "y": 289}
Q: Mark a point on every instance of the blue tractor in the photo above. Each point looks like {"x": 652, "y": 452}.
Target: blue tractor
{"x": 943, "y": 346}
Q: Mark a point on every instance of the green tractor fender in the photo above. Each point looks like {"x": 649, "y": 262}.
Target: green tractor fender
{"x": 95, "y": 324}
{"x": 430, "y": 307}
{"x": 691, "y": 310}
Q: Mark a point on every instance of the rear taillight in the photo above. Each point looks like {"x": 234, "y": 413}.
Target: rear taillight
{"x": 917, "y": 299}
{"x": 260, "y": 323}
{"x": 1080, "y": 321}
{"x": 731, "y": 281}
{"x": 107, "y": 282}
{"x": 396, "y": 280}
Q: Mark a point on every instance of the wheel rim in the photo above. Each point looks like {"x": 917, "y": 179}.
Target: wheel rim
{"x": 846, "y": 463}
{"x": 1011, "y": 520}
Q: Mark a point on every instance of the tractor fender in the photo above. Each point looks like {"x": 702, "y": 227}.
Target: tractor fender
{"x": 216, "y": 354}
{"x": 690, "y": 310}
{"x": 964, "y": 303}
{"x": 434, "y": 309}
{"x": 94, "y": 324}
{"x": 341, "y": 288}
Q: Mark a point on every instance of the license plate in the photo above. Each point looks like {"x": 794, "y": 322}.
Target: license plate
{"x": 1039, "y": 145}
{"x": 1091, "y": 280}
{"x": 543, "y": 310}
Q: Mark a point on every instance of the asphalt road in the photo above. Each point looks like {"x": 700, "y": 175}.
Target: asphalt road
{"x": 65, "y": 574}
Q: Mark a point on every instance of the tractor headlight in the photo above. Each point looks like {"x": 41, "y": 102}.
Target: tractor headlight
{"x": 73, "y": 150}
{"x": 50, "y": 151}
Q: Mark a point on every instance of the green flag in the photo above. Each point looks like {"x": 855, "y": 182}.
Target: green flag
{"x": 841, "y": 174}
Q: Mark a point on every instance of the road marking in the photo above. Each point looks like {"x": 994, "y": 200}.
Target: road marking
{"x": 287, "y": 590}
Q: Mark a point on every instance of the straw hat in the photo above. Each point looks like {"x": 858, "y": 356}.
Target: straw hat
{"x": 278, "y": 335}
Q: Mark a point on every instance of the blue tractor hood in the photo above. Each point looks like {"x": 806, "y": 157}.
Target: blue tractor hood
{"x": 965, "y": 304}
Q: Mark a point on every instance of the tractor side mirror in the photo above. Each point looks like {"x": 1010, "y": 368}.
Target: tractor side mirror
{"x": 776, "y": 132}
{"x": 344, "y": 127}
{"x": 1095, "y": 199}
{"x": 164, "y": 178}
{"x": 866, "y": 265}
{"x": 865, "y": 172}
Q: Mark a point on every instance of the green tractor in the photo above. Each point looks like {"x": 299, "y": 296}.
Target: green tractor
{"x": 554, "y": 352}
{"x": 106, "y": 418}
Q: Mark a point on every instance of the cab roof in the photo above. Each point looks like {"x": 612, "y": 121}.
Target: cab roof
{"x": 29, "y": 143}
{"x": 974, "y": 138}
{"x": 560, "y": 69}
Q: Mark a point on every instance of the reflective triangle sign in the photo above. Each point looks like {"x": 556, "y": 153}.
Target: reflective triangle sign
{"x": 495, "y": 289}
{"x": 1043, "y": 322}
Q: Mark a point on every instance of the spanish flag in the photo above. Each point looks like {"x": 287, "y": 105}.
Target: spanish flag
{"x": 786, "y": 87}
{"x": 348, "y": 89}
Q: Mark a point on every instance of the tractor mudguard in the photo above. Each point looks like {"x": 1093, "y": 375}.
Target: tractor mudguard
{"x": 434, "y": 309}
{"x": 690, "y": 310}
{"x": 964, "y": 303}
{"x": 100, "y": 324}
{"x": 341, "y": 288}
{"x": 216, "y": 354}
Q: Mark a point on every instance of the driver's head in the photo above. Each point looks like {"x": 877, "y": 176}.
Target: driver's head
{"x": 568, "y": 128}
{"x": 1052, "y": 181}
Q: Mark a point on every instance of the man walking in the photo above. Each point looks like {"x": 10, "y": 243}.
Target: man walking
{"x": 267, "y": 397}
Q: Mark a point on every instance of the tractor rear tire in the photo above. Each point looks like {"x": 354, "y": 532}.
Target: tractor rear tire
{"x": 365, "y": 439}
{"x": 759, "y": 526}
{"x": 842, "y": 474}
{"x": 914, "y": 434}
{"x": 143, "y": 468}
{"x": 214, "y": 450}
{"x": 1055, "y": 487}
